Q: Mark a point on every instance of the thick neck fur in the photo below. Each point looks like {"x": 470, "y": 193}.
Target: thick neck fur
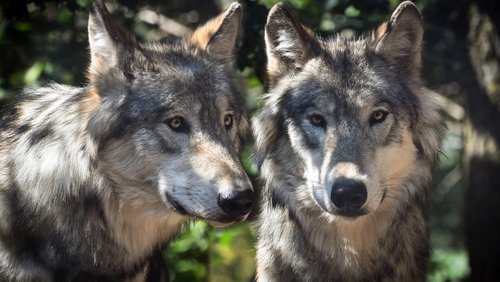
{"x": 138, "y": 224}
{"x": 344, "y": 249}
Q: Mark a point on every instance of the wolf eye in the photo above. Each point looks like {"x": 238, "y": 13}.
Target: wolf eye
{"x": 317, "y": 120}
{"x": 176, "y": 123}
{"x": 378, "y": 116}
{"x": 228, "y": 121}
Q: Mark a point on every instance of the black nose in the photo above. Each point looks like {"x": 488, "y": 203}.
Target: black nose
{"x": 348, "y": 195}
{"x": 236, "y": 203}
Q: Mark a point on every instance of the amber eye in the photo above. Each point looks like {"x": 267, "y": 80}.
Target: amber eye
{"x": 317, "y": 120}
{"x": 228, "y": 121}
{"x": 378, "y": 116}
{"x": 177, "y": 123}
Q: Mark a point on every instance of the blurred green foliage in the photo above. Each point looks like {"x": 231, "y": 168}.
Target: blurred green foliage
{"x": 448, "y": 265}
{"x": 47, "y": 40}
{"x": 213, "y": 254}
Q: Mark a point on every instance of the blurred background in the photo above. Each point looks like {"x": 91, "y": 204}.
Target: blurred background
{"x": 47, "y": 41}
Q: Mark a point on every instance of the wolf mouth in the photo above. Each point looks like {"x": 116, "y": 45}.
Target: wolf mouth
{"x": 220, "y": 220}
{"x": 177, "y": 207}
{"x": 351, "y": 214}
{"x": 383, "y": 196}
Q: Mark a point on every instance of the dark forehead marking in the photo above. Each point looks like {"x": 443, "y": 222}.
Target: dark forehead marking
{"x": 356, "y": 70}
{"x": 176, "y": 78}
{"x": 345, "y": 57}
{"x": 301, "y": 97}
{"x": 176, "y": 74}
{"x": 178, "y": 60}
{"x": 325, "y": 95}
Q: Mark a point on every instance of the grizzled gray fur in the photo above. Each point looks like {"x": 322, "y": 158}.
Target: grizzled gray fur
{"x": 346, "y": 142}
{"x": 94, "y": 180}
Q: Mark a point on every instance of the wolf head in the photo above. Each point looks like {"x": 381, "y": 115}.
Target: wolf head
{"x": 352, "y": 111}
{"x": 169, "y": 118}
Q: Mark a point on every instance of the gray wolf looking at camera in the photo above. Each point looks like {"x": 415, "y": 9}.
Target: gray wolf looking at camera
{"x": 346, "y": 142}
{"x": 94, "y": 180}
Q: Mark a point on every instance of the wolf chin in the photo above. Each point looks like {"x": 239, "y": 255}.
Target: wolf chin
{"x": 94, "y": 180}
{"x": 346, "y": 142}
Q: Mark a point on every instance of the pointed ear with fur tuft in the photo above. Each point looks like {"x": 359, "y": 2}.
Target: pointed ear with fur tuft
{"x": 111, "y": 45}
{"x": 289, "y": 45}
{"x": 218, "y": 36}
{"x": 112, "y": 50}
{"x": 400, "y": 39}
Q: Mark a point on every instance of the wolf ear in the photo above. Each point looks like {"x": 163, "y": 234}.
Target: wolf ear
{"x": 400, "y": 39}
{"x": 289, "y": 45}
{"x": 109, "y": 42}
{"x": 218, "y": 36}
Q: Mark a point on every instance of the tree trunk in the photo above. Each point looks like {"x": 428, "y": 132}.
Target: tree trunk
{"x": 463, "y": 47}
{"x": 482, "y": 145}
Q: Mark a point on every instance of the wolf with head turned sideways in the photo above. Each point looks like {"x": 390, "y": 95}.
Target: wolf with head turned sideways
{"x": 94, "y": 180}
{"x": 346, "y": 142}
